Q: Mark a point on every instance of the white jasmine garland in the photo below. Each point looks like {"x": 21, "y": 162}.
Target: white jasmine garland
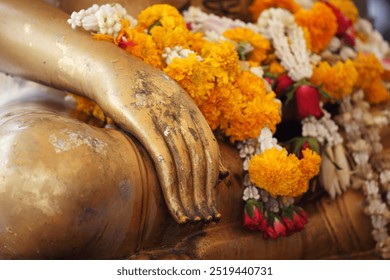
{"x": 278, "y": 25}
{"x": 325, "y": 130}
{"x": 200, "y": 21}
{"x": 179, "y": 52}
{"x": 250, "y": 192}
{"x": 372, "y": 169}
{"x": 104, "y": 19}
{"x": 374, "y": 42}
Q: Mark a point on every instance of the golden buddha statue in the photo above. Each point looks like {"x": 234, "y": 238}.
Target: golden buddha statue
{"x": 72, "y": 190}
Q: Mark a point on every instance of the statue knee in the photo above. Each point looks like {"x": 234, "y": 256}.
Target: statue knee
{"x": 67, "y": 190}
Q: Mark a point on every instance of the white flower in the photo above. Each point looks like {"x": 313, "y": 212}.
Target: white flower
{"x": 376, "y": 206}
{"x": 325, "y": 130}
{"x": 378, "y": 221}
{"x": 250, "y": 192}
{"x": 179, "y": 52}
{"x": 104, "y": 19}
{"x": 258, "y": 71}
{"x": 374, "y": 42}
{"x": 287, "y": 38}
{"x": 347, "y": 53}
{"x": 203, "y": 22}
{"x": 267, "y": 141}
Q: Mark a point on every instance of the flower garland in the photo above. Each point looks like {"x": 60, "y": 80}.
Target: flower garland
{"x": 297, "y": 58}
{"x": 275, "y": 24}
{"x": 371, "y": 166}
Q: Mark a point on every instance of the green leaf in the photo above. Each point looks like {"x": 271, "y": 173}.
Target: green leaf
{"x": 241, "y": 48}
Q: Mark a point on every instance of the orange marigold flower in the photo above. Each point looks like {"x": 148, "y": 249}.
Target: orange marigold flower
{"x": 251, "y": 109}
{"x": 164, "y": 15}
{"x": 321, "y": 23}
{"x": 369, "y": 69}
{"x": 137, "y": 43}
{"x": 193, "y": 76}
{"x": 377, "y": 92}
{"x": 260, "y": 44}
{"x": 90, "y": 108}
{"x": 221, "y": 59}
{"x": 282, "y": 174}
{"x": 348, "y": 8}
{"x": 143, "y": 47}
{"x": 370, "y": 72}
{"x": 337, "y": 80}
{"x": 258, "y": 6}
{"x": 276, "y": 68}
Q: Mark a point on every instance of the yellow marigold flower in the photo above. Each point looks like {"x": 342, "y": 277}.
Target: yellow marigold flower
{"x": 348, "y": 8}
{"x": 321, "y": 23}
{"x": 192, "y": 76}
{"x": 142, "y": 46}
{"x": 260, "y": 44}
{"x": 282, "y": 174}
{"x": 90, "y": 108}
{"x": 377, "y": 92}
{"x": 258, "y": 6}
{"x": 169, "y": 37}
{"x": 251, "y": 109}
{"x": 369, "y": 69}
{"x": 370, "y": 72}
{"x": 276, "y": 68}
{"x": 138, "y": 44}
{"x": 160, "y": 14}
{"x": 276, "y": 172}
{"x": 222, "y": 61}
{"x": 337, "y": 80}
{"x": 310, "y": 167}
{"x": 218, "y": 104}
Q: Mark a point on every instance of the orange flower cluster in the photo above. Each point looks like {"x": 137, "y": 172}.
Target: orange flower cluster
{"x": 258, "y": 6}
{"x": 370, "y": 69}
{"x": 258, "y": 42}
{"x": 282, "y": 174}
{"x": 337, "y": 80}
{"x": 321, "y": 24}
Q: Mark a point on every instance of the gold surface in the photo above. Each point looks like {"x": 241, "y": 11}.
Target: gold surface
{"x": 38, "y": 44}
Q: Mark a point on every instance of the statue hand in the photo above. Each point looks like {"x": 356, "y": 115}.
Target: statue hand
{"x": 149, "y": 105}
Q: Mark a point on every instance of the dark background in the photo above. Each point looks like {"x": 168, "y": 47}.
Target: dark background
{"x": 378, "y": 12}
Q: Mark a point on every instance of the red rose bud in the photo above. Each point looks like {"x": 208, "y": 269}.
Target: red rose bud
{"x": 300, "y": 219}
{"x": 256, "y": 222}
{"x": 343, "y": 22}
{"x": 282, "y": 83}
{"x": 301, "y": 212}
{"x": 276, "y": 229}
{"x": 308, "y": 102}
{"x": 290, "y": 225}
{"x": 269, "y": 232}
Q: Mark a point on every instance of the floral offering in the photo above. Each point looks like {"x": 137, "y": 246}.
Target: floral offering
{"x": 315, "y": 63}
